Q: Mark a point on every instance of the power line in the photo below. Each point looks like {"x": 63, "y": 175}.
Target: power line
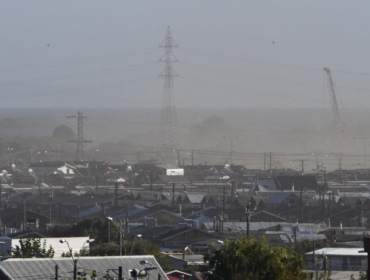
{"x": 75, "y": 61}
{"x": 82, "y": 75}
{"x": 74, "y": 91}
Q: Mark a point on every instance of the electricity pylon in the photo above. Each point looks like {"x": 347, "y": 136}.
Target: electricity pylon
{"x": 80, "y": 138}
{"x": 168, "y": 127}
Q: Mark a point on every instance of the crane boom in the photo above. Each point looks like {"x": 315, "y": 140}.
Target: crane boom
{"x": 333, "y": 99}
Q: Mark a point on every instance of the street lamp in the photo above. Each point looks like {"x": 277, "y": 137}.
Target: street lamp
{"x": 133, "y": 243}
{"x": 73, "y": 259}
{"x": 119, "y": 228}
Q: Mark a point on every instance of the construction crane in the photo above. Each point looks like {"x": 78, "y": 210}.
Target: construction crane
{"x": 333, "y": 99}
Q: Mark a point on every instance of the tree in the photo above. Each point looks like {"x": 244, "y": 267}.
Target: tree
{"x": 252, "y": 259}
{"x": 32, "y": 247}
{"x": 64, "y": 132}
{"x": 362, "y": 276}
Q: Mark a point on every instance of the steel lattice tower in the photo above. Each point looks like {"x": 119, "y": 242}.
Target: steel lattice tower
{"x": 80, "y": 138}
{"x": 168, "y": 129}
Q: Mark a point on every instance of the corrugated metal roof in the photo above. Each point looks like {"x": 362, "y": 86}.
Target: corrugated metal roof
{"x": 35, "y": 269}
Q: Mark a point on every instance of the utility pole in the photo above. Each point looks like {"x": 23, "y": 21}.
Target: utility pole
{"x": 80, "y": 139}
{"x": 248, "y": 213}
{"x": 108, "y": 231}
{"x": 56, "y": 272}
{"x": 24, "y": 216}
{"x": 116, "y": 194}
{"x": 301, "y": 205}
{"x": 264, "y": 161}
{"x": 192, "y": 157}
{"x": 329, "y": 210}
{"x": 317, "y": 160}
{"x": 168, "y": 127}
{"x": 323, "y": 192}
{"x": 302, "y": 164}
{"x": 224, "y": 198}
{"x": 173, "y": 195}
{"x": 74, "y": 269}
{"x": 270, "y": 161}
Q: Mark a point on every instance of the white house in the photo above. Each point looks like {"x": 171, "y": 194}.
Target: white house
{"x": 77, "y": 244}
{"x": 171, "y": 170}
{"x": 337, "y": 259}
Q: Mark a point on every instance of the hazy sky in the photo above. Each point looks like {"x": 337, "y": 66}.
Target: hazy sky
{"x": 231, "y": 53}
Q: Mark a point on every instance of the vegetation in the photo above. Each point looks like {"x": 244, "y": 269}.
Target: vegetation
{"x": 363, "y": 276}
{"x": 307, "y": 246}
{"x": 32, "y": 247}
{"x": 249, "y": 259}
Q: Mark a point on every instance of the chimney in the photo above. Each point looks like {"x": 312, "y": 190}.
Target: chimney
{"x": 341, "y": 225}
{"x": 293, "y": 187}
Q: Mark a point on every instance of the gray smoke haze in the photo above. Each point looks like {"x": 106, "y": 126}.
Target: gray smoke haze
{"x": 291, "y": 135}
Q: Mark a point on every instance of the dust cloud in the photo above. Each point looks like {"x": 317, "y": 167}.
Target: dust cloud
{"x": 212, "y": 136}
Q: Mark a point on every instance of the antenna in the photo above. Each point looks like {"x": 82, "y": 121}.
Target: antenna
{"x": 168, "y": 128}
{"x": 80, "y": 140}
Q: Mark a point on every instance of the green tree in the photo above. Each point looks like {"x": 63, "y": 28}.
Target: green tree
{"x": 252, "y": 259}
{"x": 32, "y": 247}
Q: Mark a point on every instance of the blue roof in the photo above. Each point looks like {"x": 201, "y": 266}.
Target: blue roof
{"x": 278, "y": 197}
{"x": 87, "y": 212}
